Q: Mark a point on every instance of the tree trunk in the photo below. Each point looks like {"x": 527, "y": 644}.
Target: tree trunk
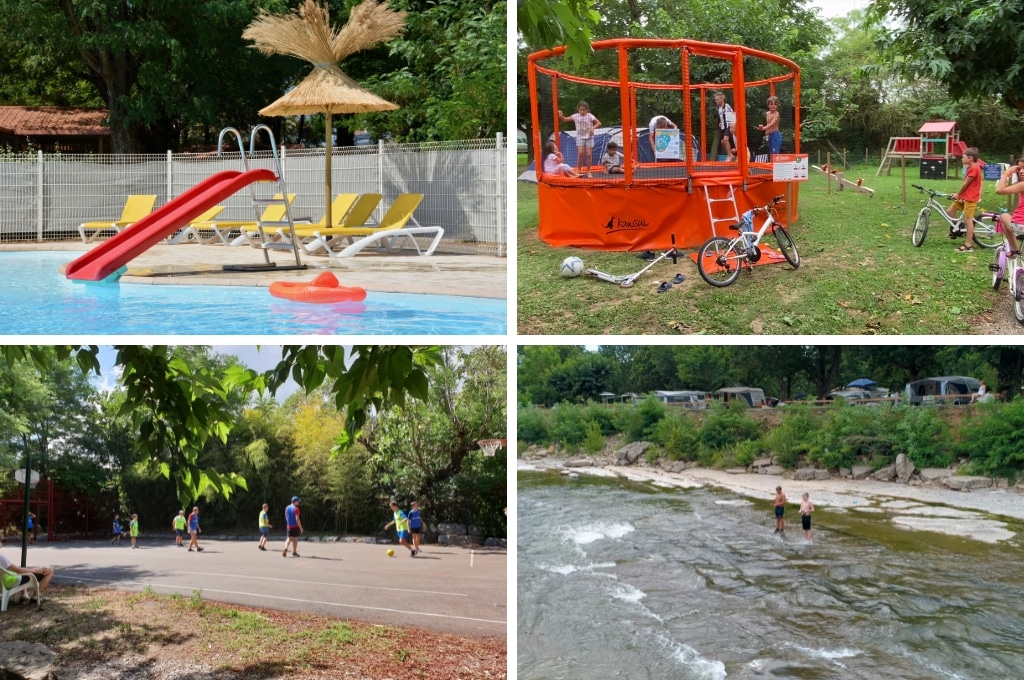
{"x": 827, "y": 369}
{"x": 837, "y": 155}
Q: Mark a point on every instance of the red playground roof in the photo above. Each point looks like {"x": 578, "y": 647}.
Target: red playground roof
{"x": 938, "y": 126}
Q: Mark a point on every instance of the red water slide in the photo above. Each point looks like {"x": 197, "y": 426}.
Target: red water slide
{"x": 109, "y": 256}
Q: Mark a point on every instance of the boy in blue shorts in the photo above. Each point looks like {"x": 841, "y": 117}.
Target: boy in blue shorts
{"x": 401, "y": 523}
{"x": 415, "y": 526}
{"x": 780, "y": 509}
{"x": 179, "y": 528}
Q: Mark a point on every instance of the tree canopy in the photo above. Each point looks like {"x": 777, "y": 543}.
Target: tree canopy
{"x": 783, "y": 371}
{"x": 972, "y": 47}
{"x": 174, "y": 73}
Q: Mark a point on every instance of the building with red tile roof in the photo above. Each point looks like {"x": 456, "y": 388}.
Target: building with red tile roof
{"x": 54, "y": 128}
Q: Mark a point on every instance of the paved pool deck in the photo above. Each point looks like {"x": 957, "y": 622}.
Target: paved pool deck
{"x": 439, "y": 274}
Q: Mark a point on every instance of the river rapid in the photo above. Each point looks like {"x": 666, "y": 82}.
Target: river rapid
{"x": 619, "y": 579}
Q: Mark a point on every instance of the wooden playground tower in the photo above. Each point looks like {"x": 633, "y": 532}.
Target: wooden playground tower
{"x": 935, "y": 140}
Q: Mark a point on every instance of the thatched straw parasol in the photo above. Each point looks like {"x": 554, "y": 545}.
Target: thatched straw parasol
{"x": 307, "y": 34}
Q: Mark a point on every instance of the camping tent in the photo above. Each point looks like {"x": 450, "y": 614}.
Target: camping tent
{"x": 752, "y": 395}
{"x": 940, "y": 386}
{"x": 603, "y": 135}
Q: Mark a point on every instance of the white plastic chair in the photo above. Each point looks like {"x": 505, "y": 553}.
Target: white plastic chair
{"x": 28, "y": 588}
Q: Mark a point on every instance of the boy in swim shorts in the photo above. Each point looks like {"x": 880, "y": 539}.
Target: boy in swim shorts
{"x": 806, "y": 508}
{"x": 780, "y": 509}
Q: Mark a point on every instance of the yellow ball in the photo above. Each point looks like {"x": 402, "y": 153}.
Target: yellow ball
{"x": 391, "y": 552}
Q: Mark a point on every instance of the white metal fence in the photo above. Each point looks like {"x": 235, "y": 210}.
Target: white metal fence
{"x": 47, "y": 196}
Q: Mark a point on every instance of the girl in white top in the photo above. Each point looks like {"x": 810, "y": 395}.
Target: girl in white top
{"x": 553, "y": 164}
{"x": 585, "y": 125}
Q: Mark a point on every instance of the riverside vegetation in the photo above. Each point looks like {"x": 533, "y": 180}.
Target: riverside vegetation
{"x": 986, "y": 439}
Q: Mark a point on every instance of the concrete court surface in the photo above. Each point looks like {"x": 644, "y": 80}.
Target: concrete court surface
{"x": 437, "y": 589}
{"x": 439, "y": 274}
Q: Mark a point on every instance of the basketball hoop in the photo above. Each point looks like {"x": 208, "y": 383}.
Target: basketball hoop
{"x": 19, "y": 476}
{"x": 490, "y": 446}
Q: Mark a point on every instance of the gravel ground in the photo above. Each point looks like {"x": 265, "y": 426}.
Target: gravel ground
{"x": 1000, "y": 320}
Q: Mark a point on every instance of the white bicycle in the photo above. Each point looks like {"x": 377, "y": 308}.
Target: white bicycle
{"x": 720, "y": 259}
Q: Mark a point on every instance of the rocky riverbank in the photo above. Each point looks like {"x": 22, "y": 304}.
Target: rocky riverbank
{"x": 938, "y": 500}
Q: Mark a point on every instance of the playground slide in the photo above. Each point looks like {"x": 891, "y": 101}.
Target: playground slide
{"x": 111, "y": 255}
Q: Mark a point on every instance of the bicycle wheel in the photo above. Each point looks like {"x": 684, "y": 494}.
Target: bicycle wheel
{"x": 787, "y": 246}
{"x": 920, "y": 227}
{"x": 998, "y": 268}
{"x": 717, "y": 262}
{"x": 1018, "y": 304}
{"x": 985, "y": 234}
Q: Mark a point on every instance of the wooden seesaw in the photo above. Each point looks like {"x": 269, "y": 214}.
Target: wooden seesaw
{"x": 842, "y": 181}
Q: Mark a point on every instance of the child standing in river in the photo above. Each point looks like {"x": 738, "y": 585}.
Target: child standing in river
{"x": 806, "y": 508}
{"x": 780, "y": 509}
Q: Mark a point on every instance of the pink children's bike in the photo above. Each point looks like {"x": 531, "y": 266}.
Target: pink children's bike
{"x": 1010, "y": 268}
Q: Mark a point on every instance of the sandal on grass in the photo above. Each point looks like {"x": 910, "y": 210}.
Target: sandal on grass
{"x": 679, "y": 278}
{"x": 664, "y": 287}
{"x": 965, "y": 249}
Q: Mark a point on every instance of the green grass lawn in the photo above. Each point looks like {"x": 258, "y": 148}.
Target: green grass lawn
{"x": 859, "y": 274}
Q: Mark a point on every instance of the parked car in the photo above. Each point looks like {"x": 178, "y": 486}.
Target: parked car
{"x": 521, "y": 142}
{"x": 851, "y": 396}
{"x": 362, "y": 138}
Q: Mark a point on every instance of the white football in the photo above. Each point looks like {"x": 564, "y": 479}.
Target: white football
{"x": 571, "y": 267}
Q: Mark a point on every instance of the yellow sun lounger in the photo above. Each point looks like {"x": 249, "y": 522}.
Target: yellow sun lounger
{"x": 347, "y": 210}
{"x": 388, "y": 236}
{"x": 135, "y": 208}
{"x": 188, "y": 233}
{"x": 233, "y": 233}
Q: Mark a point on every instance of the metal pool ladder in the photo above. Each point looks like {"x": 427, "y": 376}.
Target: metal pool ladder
{"x": 259, "y": 203}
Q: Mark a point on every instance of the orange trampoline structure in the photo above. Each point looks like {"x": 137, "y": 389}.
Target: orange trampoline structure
{"x": 676, "y": 178}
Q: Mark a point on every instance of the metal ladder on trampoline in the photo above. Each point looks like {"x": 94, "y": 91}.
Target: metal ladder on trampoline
{"x": 730, "y": 199}
{"x": 259, "y": 203}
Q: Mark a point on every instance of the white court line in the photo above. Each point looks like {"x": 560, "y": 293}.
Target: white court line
{"x": 322, "y": 583}
{"x": 287, "y": 599}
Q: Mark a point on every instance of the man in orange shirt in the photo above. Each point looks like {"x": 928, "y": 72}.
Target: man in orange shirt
{"x": 967, "y": 198}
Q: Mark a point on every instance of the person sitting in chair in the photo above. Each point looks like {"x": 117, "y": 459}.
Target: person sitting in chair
{"x": 42, "y": 574}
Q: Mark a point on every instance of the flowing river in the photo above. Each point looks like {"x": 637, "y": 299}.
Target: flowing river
{"x": 619, "y": 579}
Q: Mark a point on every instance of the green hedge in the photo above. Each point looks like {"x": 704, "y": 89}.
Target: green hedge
{"x": 990, "y": 435}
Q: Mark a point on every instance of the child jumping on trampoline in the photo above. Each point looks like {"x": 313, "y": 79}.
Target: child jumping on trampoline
{"x": 726, "y": 125}
{"x": 771, "y": 127}
{"x": 553, "y": 164}
{"x": 585, "y": 125}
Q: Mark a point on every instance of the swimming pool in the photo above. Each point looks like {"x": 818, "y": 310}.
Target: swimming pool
{"x": 38, "y": 300}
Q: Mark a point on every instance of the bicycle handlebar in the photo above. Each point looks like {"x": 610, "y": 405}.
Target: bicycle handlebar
{"x": 931, "y": 192}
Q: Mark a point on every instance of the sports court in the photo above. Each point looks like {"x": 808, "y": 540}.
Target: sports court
{"x": 447, "y": 589}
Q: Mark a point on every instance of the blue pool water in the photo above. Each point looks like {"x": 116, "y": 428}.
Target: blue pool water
{"x": 37, "y": 300}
